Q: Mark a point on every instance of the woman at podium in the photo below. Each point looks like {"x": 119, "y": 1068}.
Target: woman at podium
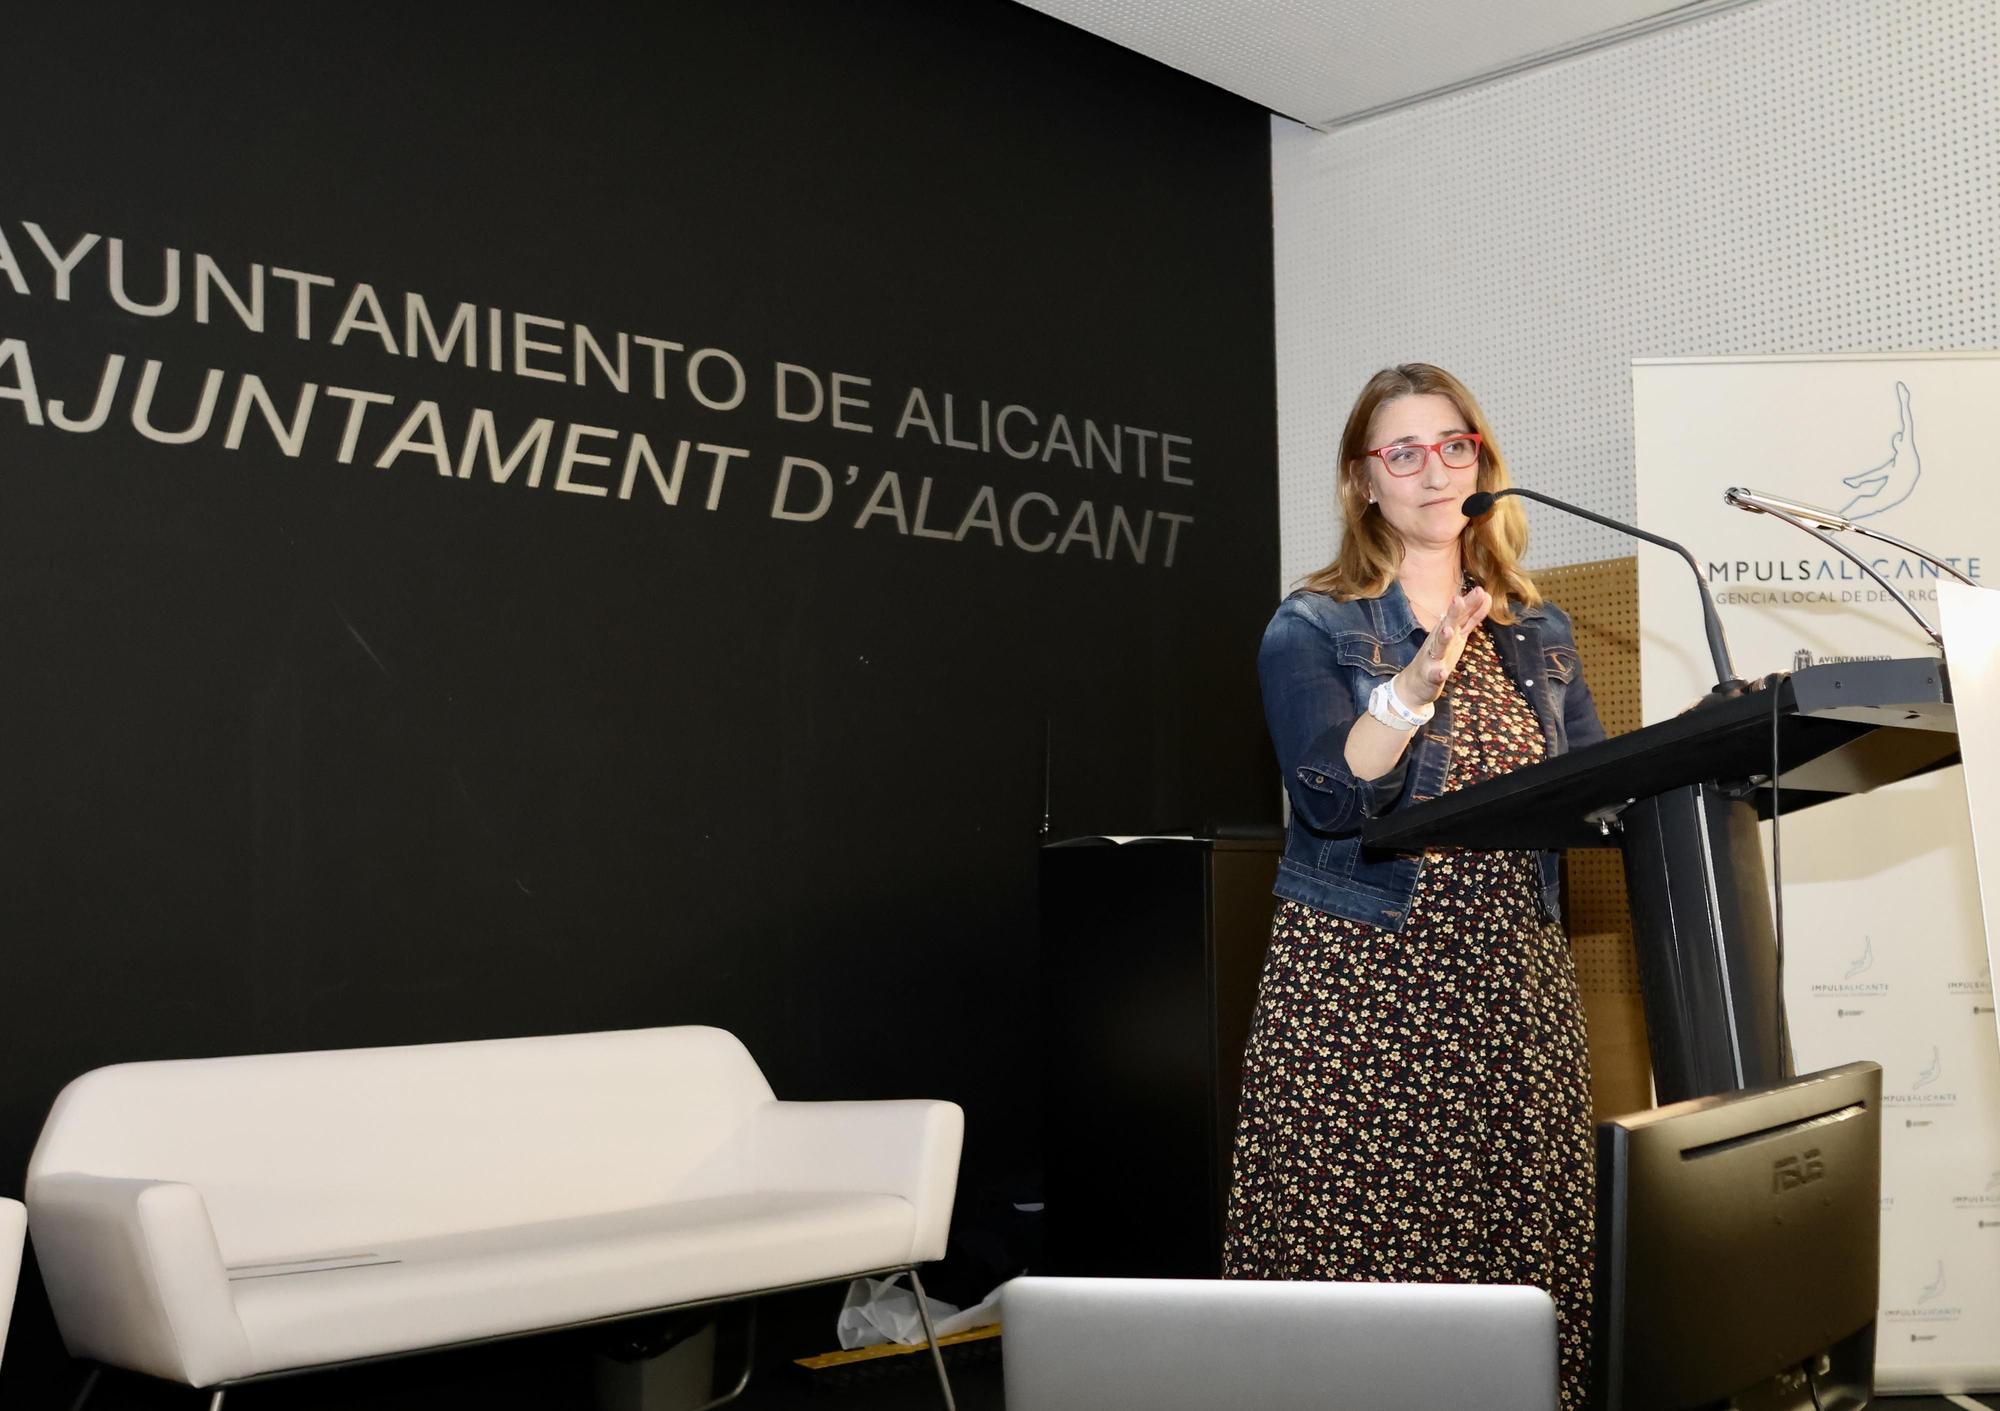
{"x": 1416, "y": 1090}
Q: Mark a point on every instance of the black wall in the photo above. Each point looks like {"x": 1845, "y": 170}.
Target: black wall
{"x": 303, "y": 754}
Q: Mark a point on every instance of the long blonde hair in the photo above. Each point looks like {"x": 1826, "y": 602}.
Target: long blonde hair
{"x": 1370, "y": 548}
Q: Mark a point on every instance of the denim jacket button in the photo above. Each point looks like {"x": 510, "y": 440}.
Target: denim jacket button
{"x": 1319, "y": 778}
{"x": 1531, "y": 682}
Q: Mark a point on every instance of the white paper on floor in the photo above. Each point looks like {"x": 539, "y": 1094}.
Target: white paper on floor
{"x": 878, "y": 1310}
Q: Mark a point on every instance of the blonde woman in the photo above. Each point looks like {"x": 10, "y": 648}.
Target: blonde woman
{"x": 1416, "y": 1094}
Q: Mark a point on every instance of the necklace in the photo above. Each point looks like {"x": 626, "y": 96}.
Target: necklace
{"x": 1436, "y": 616}
{"x": 1431, "y": 612}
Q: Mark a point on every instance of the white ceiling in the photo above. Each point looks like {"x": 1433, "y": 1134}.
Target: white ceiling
{"x": 1329, "y": 62}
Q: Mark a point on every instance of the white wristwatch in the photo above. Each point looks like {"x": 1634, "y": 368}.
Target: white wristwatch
{"x": 1386, "y": 706}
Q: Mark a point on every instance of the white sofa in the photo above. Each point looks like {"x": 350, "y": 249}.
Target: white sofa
{"x": 213, "y": 1221}
{"x": 13, "y": 1228}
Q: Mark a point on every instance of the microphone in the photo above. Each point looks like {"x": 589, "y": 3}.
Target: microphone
{"x": 1815, "y": 522}
{"x": 1792, "y": 511}
{"x": 1727, "y": 683}
{"x": 1756, "y": 500}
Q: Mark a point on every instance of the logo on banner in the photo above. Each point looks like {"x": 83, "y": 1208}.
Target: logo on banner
{"x": 1883, "y": 487}
{"x": 1935, "y": 1287}
{"x": 1862, "y": 495}
{"x": 1927, "y": 1305}
{"x": 1987, "y": 1199}
{"x": 1923, "y": 1090}
{"x": 1974, "y": 988}
{"x": 1850, "y": 985}
{"x": 1801, "y": 659}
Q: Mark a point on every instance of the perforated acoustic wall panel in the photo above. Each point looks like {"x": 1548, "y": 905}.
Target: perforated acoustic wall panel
{"x": 1602, "y": 599}
{"x": 1790, "y": 176}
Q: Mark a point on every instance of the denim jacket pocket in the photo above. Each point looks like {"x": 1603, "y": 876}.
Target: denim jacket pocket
{"x": 1364, "y": 654}
{"x": 1559, "y": 663}
{"x": 1334, "y": 861}
{"x": 1369, "y": 663}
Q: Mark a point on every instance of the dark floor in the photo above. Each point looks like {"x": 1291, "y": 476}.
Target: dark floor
{"x": 558, "y": 1373}
{"x": 976, "y": 1386}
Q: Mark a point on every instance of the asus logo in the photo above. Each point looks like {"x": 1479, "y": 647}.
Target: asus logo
{"x": 1788, "y": 1173}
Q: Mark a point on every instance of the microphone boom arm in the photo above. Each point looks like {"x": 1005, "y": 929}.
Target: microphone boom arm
{"x": 1726, "y": 680}
{"x": 1928, "y": 558}
{"x": 1744, "y": 498}
{"x": 1734, "y": 499}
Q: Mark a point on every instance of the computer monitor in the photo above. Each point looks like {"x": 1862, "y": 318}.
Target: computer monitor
{"x": 1738, "y": 1241}
{"x": 1255, "y": 1345}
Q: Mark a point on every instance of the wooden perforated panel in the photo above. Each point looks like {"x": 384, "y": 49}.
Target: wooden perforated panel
{"x": 1602, "y": 599}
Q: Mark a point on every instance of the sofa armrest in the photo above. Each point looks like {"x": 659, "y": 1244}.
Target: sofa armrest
{"x": 906, "y": 1148}
{"x": 13, "y": 1229}
{"x": 135, "y": 1276}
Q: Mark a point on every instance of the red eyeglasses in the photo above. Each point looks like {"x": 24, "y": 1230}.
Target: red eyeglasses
{"x": 1407, "y": 458}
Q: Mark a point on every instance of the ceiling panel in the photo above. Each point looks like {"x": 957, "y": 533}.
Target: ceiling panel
{"x": 1326, "y": 62}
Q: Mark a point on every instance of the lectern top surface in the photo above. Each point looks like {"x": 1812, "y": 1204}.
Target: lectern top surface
{"x": 1843, "y": 728}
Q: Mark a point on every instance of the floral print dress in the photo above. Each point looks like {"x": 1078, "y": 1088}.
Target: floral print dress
{"x": 1416, "y": 1105}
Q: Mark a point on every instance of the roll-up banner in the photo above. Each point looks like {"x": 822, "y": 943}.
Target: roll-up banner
{"x": 1888, "y": 956}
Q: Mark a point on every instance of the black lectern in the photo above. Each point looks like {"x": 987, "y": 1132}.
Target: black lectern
{"x": 1681, "y": 799}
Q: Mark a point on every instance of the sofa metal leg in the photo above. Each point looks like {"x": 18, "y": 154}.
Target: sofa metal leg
{"x": 930, "y": 1335}
{"x": 215, "y": 1402}
{"x": 749, "y": 1360}
{"x": 89, "y": 1385}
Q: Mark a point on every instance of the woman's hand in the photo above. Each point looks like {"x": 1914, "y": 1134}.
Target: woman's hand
{"x": 1422, "y": 681}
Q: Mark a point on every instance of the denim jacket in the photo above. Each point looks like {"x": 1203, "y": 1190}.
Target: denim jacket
{"x": 1318, "y": 663}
